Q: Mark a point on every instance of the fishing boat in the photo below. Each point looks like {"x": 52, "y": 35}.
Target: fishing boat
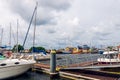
{"x": 109, "y": 57}
{"x": 14, "y": 67}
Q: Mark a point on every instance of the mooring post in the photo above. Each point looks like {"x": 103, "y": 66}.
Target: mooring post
{"x": 53, "y": 72}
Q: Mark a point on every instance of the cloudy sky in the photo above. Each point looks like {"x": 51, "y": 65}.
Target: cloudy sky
{"x": 61, "y": 23}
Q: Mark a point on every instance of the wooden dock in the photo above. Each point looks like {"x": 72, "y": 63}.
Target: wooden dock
{"x": 78, "y": 73}
{"x": 89, "y": 75}
{"x": 92, "y": 65}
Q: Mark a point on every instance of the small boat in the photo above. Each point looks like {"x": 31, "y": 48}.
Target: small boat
{"x": 109, "y": 57}
{"x": 107, "y": 52}
{"x": 66, "y": 52}
{"x": 14, "y": 67}
{"x": 110, "y": 52}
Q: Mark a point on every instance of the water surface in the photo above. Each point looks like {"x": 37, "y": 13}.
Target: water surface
{"x": 32, "y": 75}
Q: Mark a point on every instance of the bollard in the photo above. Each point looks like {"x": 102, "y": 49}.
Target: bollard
{"x": 53, "y": 61}
{"x": 53, "y": 72}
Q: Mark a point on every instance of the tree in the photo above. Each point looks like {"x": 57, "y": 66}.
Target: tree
{"x": 41, "y": 48}
{"x": 19, "y": 48}
{"x": 37, "y": 48}
{"x": 110, "y": 48}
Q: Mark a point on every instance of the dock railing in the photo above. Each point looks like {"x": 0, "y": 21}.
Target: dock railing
{"x": 70, "y": 60}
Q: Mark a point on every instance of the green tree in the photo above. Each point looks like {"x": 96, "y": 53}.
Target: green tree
{"x": 110, "y": 48}
{"x": 19, "y": 48}
{"x": 41, "y": 48}
{"x": 38, "y": 48}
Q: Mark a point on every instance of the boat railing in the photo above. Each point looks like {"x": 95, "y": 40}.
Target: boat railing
{"x": 21, "y": 56}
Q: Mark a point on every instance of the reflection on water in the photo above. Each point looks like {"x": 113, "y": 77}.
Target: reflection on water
{"x": 117, "y": 70}
{"x": 41, "y": 76}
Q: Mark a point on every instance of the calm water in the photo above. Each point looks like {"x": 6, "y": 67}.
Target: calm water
{"x": 34, "y": 76}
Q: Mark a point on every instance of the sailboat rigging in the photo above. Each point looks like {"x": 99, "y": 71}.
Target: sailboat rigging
{"x": 30, "y": 24}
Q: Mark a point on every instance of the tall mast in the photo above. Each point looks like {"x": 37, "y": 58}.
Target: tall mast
{"x": 17, "y": 34}
{"x": 1, "y": 37}
{"x": 29, "y": 25}
{"x": 34, "y": 26}
{"x": 13, "y": 36}
{"x": 10, "y": 37}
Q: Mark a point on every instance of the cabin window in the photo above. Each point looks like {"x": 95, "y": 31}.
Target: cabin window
{"x": 17, "y": 63}
{"x": 3, "y": 64}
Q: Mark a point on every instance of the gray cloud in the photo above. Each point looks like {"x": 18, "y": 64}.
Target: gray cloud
{"x": 51, "y": 31}
{"x": 103, "y": 34}
{"x": 117, "y": 26}
{"x": 55, "y": 4}
{"x": 45, "y": 12}
{"x": 60, "y": 20}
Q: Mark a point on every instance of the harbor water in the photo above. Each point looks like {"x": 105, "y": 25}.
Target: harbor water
{"x": 33, "y": 75}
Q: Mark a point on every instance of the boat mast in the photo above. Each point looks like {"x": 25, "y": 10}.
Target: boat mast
{"x": 10, "y": 37}
{"x": 17, "y": 34}
{"x": 1, "y": 37}
{"x": 29, "y": 25}
{"x": 34, "y": 27}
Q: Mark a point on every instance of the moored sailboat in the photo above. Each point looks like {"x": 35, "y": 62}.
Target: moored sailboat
{"x": 109, "y": 58}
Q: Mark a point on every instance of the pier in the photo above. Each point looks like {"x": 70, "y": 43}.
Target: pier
{"x": 79, "y": 66}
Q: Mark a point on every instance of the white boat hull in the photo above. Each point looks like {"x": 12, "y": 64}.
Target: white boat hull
{"x": 14, "y": 67}
{"x": 11, "y": 71}
{"x": 110, "y": 52}
{"x": 108, "y": 60}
